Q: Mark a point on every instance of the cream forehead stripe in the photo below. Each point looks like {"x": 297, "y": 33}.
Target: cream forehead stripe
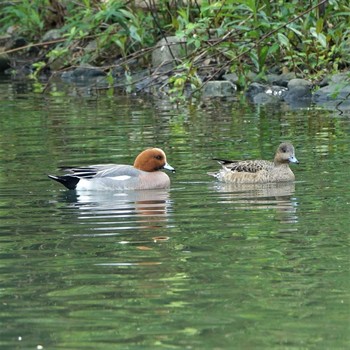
{"x": 160, "y": 151}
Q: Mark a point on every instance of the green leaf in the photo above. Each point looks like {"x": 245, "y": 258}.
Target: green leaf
{"x": 197, "y": 43}
{"x": 322, "y": 40}
{"x": 274, "y": 48}
{"x": 134, "y": 34}
{"x": 296, "y": 31}
{"x": 262, "y": 56}
{"x": 319, "y": 26}
{"x": 283, "y": 39}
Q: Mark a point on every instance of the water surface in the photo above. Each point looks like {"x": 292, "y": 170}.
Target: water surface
{"x": 202, "y": 265}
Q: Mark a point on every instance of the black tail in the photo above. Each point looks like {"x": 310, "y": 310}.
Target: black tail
{"x": 66, "y": 180}
{"x": 224, "y": 161}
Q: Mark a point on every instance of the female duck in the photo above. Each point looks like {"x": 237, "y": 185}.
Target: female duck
{"x": 145, "y": 174}
{"x": 259, "y": 171}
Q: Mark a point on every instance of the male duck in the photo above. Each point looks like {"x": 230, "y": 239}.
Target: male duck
{"x": 143, "y": 175}
{"x": 259, "y": 171}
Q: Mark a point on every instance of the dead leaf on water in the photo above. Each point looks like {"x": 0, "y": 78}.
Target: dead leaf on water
{"x": 142, "y": 247}
{"x": 160, "y": 239}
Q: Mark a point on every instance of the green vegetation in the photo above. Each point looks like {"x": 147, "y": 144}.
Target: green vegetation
{"x": 309, "y": 38}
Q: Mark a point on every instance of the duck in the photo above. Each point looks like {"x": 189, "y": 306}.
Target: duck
{"x": 259, "y": 171}
{"x": 144, "y": 174}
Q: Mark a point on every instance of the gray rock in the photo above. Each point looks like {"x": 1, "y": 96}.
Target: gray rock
{"x": 335, "y": 79}
{"x": 276, "y": 91}
{"x": 66, "y": 76}
{"x": 298, "y": 97}
{"x": 4, "y": 39}
{"x": 280, "y": 80}
{"x": 231, "y": 77}
{"x": 334, "y": 92}
{"x": 256, "y": 89}
{"x": 4, "y": 60}
{"x": 91, "y": 47}
{"x": 299, "y": 93}
{"x": 51, "y": 35}
{"x": 298, "y": 83}
{"x": 252, "y": 76}
{"x": 15, "y": 43}
{"x": 169, "y": 50}
{"x": 219, "y": 88}
{"x": 335, "y": 96}
{"x": 340, "y": 77}
{"x": 85, "y": 75}
{"x": 298, "y": 89}
{"x": 263, "y": 98}
{"x": 86, "y": 72}
{"x": 272, "y": 78}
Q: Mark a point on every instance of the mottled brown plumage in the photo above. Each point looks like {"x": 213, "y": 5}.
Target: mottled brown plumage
{"x": 259, "y": 171}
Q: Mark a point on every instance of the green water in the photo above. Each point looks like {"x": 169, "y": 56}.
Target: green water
{"x": 200, "y": 266}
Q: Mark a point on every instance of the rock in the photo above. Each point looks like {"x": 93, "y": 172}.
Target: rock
{"x": 340, "y": 78}
{"x": 252, "y": 76}
{"x": 324, "y": 82}
{"x": 15, "y": 43}
{"x": 91, "y": 47}
{"x": 298, "y": 83}
{"x": 264, "y": 98}
{"x": 335, "y": 79}
{"x": 231, "y": 77}
{"x": 269, "y": 90}
{"x": 4, "y": 60}
{"x": 85, "y": 72}
{"x": 51, "y": 35}
{"x": 298, "y": 97}
{"x": 333, "y": 96}
{"x": 338, "y": 89}
{"x": 254, "y": 89}
{"x": 299, "y": 93}
{"x": 66, "y": 76}
{"x": 59, "y": 62}
{"x": 333, "y": 92}
{"x": 219, "y": 88}
{"x": 169, "y": 50}
{"x": 297, "y": 89}
{"x": 4, "y": 39}
{"x": 56, "y": 61}
{"x": 281, "y": 79}
{"x": 142, "y": 80}
{"x": 272, "y": 78}
{"x": 336, "y": 94}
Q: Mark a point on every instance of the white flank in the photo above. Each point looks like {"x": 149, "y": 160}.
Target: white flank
{"x": 84, "y": 185}
{"x": 120, "y": 178}
{"x": 103, "y": 183}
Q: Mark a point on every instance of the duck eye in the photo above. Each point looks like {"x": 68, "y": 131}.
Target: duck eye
{"x": 158, "y": 157}
{"x": 284, "y": 149}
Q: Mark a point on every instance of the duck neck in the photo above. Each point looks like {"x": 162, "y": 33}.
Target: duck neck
{"x": 278, "y": 163}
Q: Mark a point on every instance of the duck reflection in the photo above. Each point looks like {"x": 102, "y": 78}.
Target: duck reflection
{"x": 277, "y": 196}
{"x": 122, "y": 210}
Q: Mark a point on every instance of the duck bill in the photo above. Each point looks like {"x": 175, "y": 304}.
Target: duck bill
{"x": 169, "y": 167}
{"x": 293, "y": 160}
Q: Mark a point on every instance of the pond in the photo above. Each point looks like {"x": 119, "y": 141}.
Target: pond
{"x": 202, "y": 265}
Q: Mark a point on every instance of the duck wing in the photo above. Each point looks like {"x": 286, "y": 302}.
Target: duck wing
{"x": 247, "y": 166}
{"x": 102, "y": 170}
